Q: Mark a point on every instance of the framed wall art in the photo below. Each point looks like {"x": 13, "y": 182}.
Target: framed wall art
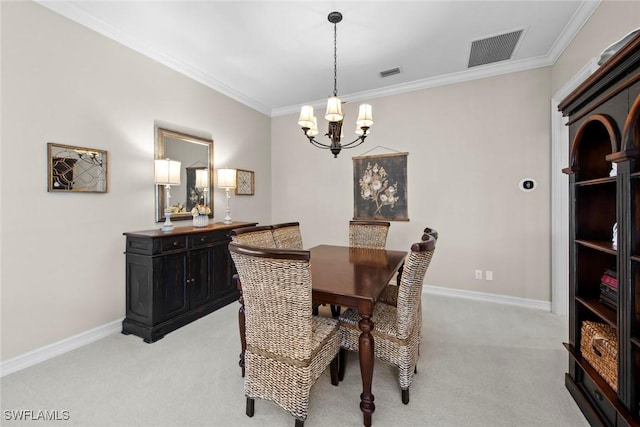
{"x": 245, "y": 182}
{"x": 380, "y": 187}
{"x": 76, "y": 169}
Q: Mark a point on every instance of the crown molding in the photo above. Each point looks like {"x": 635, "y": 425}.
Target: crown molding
{"x": 80, "y": 16}
{"x": 77, "y": 14}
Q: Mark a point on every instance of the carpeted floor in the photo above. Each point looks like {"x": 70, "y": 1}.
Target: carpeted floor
{"x": 482, "y": 364}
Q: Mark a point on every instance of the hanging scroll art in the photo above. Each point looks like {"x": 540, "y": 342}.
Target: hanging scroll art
{"x": 380, "y": 187}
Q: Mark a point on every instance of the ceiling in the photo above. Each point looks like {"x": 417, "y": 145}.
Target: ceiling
{"x": 277, "y": 55}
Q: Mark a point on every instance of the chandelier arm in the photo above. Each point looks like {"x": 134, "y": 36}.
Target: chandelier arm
{"x": 359, "y": 141}
{"x": 318, "y": 144}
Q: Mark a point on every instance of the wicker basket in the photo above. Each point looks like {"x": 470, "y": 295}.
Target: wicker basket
{"x": 599, "y": 346}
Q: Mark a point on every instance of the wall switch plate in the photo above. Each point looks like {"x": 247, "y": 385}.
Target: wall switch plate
{"x": 488, "y": 275}
{"x": 479, "y": 274}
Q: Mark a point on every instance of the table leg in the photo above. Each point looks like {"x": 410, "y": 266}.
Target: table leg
{"x": 243, "y": 341}
{"x": 366, "y": 368}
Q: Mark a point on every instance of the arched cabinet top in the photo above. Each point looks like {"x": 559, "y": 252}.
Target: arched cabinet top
{"x": 597, "y": 139}
{"x": 630, "y": 147}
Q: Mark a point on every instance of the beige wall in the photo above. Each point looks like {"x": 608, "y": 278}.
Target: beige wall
{"x": 62, "y": 259}
{"x": 469, "y": 146}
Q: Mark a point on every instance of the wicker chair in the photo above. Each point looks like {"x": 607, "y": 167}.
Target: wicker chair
{"x": 260, "y": 236}
{"x": 368, "y": 234}
{"x": 287, "y": 235}
{"x": 287, "y": 347}
{"x": 390, "y": 293}
{"x": 396, "y": 329}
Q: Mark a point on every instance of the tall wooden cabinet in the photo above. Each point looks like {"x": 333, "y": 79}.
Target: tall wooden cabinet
{"x": 174, "y": 278}
{"x": 604, "y": 120}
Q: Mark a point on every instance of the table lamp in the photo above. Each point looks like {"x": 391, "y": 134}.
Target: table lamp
{"x": 227, "y": 180}
{"x": 167, "y": 173}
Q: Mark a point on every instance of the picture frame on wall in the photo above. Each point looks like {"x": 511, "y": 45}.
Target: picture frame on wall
{"x": 380, "y": 187}
{"x": 245, "y": 182}
{"x": 76, "y": 169}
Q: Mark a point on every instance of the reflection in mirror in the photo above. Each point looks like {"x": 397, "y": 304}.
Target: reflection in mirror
{"x": 76, "y": 169}
{"x": 196, "y": 177}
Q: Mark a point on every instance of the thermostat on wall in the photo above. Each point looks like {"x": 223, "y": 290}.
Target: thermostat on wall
{"x": 527, "y": 184}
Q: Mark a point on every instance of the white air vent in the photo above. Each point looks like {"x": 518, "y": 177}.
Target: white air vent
{"x": 493, "y": 49}
{"x": 390, "y": 72}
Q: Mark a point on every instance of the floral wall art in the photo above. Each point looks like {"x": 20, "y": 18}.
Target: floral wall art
{"x": 380, "y": 187}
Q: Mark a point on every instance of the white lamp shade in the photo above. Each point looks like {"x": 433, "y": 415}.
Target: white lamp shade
{"x": 334, "y": 109}
{"x": 202, "y": 178}
{"x": 306, "y": 116}
{"x": 227, "y": 178}
{"x": 313, "y": 131}
{"x": 365, "y": 116}
{"x": 167, "y": 172}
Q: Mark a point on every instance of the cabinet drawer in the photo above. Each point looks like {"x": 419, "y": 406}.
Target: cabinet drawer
{"x": 204, "y": 239}
{"x": 599, "y": 400}
{"x": 173, "y": 243}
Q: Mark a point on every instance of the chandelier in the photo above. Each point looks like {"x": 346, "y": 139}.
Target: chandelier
{"x": 334, "y": 114}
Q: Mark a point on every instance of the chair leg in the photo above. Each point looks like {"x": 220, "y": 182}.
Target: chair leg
{"x": 334, "y": 367}
{"x": 342, "y": 357}
{"x": 335, "y": 311}
{"x": 250, "y": 406}
{"x": 299, "y": 423}
{"x": 405, "y": 396}
{"x": 415, "y": 369}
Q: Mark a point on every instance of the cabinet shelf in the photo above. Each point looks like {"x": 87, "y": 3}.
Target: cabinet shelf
{"x": 635, "y": 258}
{"x": 636, "y": 342}
{"x": 597, "y": 181}
{"x": 596, "y": 307}
{"x": 599, "y": 245}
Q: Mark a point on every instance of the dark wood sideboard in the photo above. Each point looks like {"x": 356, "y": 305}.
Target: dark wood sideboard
{"x": 604, "y": 130}
{"x": 174, "y": 278}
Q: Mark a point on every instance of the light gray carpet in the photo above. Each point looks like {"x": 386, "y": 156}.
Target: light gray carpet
{"x": 482, "y": 364}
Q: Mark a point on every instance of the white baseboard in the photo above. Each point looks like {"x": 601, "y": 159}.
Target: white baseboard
{"x": 52, "y": 350}
{"x": 481, "y": 296}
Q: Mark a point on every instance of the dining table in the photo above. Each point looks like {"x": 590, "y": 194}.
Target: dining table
{"x": 353, "y": 278}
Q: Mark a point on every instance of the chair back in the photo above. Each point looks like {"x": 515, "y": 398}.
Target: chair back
{"x": 287, "y": 235}
{"x": 276, "y": 287}
{"x": 410, "y": 291}
{"x": 368, "y": 234}
{"x": 258, "y": 236}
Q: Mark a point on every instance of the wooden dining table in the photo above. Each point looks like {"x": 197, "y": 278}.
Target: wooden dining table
{"x": 354, "y": 278}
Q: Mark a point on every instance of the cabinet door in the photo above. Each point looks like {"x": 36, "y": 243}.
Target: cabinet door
{"x": 200, "y": 283}
{"x": 221, "y": 270}
{"x": 171, "y": 285}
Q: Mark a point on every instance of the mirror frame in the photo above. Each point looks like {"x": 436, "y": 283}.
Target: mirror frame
{"x": 97, "y": 161}
{"x": 161, "y": 135}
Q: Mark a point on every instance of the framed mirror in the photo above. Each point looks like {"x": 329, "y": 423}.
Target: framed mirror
{"x": 76, "y": 169}
{"x": 195, "y": 155}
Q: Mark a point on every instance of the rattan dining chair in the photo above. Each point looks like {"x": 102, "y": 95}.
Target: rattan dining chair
{"x": 368, "y": 234}
{"x": 390, "y": 293}
{"x": 287, "y": 348}
{"x": 287, "y": 235}
{"x": 396, "y": 329}
{"x": 260, "y": 236}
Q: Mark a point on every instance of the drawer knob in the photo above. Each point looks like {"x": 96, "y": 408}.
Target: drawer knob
{"x": 175, "y": 243}
{"x": 597, "y": 395}
{"x": 202, "y": 239}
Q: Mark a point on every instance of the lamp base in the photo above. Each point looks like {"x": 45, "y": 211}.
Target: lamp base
{"x": 167, "y": 226}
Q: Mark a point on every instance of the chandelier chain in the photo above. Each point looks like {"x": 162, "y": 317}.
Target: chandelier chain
{"x": 335, "y": 59}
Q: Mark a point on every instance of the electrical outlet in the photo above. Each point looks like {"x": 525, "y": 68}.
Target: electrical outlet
{"x": 488, "y": 275}
{"x": 479, "y": 274}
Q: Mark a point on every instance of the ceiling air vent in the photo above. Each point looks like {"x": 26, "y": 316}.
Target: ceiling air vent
{"x": 493, "y": 49}
{"x": 390, "y": 72}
